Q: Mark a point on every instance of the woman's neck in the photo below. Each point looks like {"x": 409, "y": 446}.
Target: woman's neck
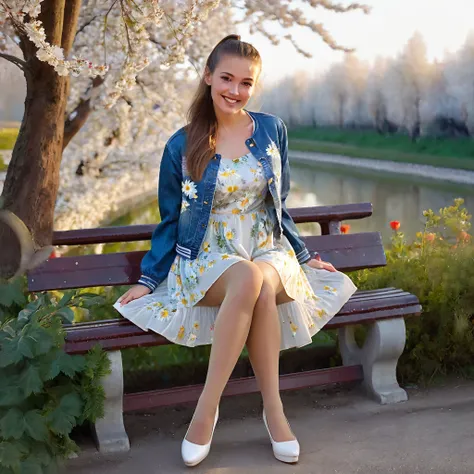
{"x": 230, "y": 121}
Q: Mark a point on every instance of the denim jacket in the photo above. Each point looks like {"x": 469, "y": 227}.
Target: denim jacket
{"x": 185, "y": 206}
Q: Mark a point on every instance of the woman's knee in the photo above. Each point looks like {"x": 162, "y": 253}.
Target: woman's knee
{"x": 245, "y": 280}
{"x": 266, "y": 297}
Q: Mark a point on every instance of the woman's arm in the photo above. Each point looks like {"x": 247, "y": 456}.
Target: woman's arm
{"x": 158, "y": 260}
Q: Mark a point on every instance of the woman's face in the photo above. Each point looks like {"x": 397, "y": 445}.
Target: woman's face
{"x": 232, "y": 83}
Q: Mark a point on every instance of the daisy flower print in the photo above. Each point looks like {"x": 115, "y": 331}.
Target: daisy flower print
{"x": 189, "y": 189}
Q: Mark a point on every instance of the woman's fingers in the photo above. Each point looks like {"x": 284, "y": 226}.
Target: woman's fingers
{"x": 133, "y": 294}
{"x": 329, "y": 267}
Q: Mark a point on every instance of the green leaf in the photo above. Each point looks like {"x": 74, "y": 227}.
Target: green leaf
{"x": 24, "y": 315}
{"x": 97, "y": 363}
{"x": 12, "y": 293}
{"x": 11, "y": 394}
{"x": 35, "y": 425}
{"x": 43, "y": 340}
{"x": 30, "y": 380}
{"x": 68, "y": 296}
{"x": 30, "y": 467}
{"x": 7, "y": 470}
{"x": 63, "y": 418}
{"x": 66, "y": 314}
{"x": 15, "y": 349}
{"x": 12, "y": 424}
{"x": 92, "y": 301}
{"x": 11, "y": 453}
{"x": 67, "y": 364}
{"x": 40, "y": 453}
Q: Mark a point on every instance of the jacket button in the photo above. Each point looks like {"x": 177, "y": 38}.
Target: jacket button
{"x": 270, "y": 181}
{"x": 203, "y": 225}
{"x": 251, "y": 144}
{"x": 205, "y": 202}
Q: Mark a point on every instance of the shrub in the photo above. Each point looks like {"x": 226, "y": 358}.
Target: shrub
{"x": 44, "y": 392}
{"x": 438, "y": 267}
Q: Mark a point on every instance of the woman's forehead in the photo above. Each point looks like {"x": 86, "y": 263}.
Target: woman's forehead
{"x": 242, "y": 68}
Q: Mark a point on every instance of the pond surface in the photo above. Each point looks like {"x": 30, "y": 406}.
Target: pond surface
{"x": 393, "y": 197}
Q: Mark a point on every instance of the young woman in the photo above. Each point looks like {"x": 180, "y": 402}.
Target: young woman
{"x": 227, "y": 265}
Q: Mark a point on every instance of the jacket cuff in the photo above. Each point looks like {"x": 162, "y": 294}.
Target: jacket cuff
{"x": 148, "y": 282}
{"x": 304, "y": 256}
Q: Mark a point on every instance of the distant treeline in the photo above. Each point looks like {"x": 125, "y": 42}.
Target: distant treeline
{"x": 407, "y": 94}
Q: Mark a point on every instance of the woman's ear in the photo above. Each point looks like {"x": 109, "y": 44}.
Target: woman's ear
{"x": 207, "y": 76}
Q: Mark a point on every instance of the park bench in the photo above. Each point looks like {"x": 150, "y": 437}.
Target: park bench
{"x": 382, "y": 310}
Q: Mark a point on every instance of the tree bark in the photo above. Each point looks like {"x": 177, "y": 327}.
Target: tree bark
{"x": 32, "y": 179}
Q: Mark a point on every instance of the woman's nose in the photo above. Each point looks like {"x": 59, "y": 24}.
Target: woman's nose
{"x": 234, "y": 89}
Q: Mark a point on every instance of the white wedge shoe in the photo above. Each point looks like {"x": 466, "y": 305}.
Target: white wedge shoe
{"x": 192, "y": 453}
{"x": 284, "y": 451}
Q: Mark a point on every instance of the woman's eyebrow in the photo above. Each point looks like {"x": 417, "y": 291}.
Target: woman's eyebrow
{"x": 245, "y": 78}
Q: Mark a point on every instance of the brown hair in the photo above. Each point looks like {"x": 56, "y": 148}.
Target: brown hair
{"x": 202, "y": 122}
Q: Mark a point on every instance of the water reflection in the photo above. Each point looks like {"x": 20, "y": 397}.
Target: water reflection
{"x": 394, "y": 198}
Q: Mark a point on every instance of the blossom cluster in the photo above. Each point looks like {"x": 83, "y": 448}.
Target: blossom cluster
{"x": 24, "y": 16}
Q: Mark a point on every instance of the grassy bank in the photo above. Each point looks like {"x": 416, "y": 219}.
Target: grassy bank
{"x": 8, "y": 138}
{"x": 448, "y": 153}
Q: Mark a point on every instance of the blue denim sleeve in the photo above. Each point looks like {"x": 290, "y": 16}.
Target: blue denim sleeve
{"x": 157, "y": 261}
{"x": 289, "y": 227}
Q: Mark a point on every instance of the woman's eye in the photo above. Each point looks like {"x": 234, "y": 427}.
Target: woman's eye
{"x": 225, "y": 78}
{"x": 247, "y": 84}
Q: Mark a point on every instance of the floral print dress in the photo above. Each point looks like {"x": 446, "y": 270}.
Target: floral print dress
{"x": 239, "y": 229}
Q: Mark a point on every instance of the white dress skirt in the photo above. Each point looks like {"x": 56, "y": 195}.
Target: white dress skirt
{"x": 239, "y": 229}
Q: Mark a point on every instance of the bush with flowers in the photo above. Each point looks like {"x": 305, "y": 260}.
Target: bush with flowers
{"x": 438, "y": 267}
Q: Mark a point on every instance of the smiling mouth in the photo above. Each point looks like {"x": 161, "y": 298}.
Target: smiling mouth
{"x": 229, "y": 100}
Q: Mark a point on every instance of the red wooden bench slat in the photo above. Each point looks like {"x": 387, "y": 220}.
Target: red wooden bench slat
{"x": 143, "y": 232}
{"x": 240, "y": 386}
{"x": 151, "y": 339}
{"x": 121, "y": 333}
{"x": 347, "y": 252}
{"x": 356, "y": 305}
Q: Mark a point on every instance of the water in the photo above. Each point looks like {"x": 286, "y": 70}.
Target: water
{"x": 393, "y": 197}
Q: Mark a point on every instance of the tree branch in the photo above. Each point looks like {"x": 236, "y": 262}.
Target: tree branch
{"x": 14, "y": 60}
{"x": 85, "y": 25}
{"x": 79, "y": 115}
{"x": 71, "y": 17}
{"x": 52, "y": 17}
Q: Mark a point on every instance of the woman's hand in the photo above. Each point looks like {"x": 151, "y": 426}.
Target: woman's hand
{"x": 134, "y": 293}
{"x": 318, "y": 263}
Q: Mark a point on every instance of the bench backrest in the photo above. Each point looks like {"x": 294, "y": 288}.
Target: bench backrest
{"x": 347, "y": 252}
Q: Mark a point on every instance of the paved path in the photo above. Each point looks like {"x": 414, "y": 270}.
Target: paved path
{"x": 424, "y": 171}
{"x": 339, "y": 432}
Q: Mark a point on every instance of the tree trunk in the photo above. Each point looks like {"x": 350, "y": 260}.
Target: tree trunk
{"x": 32, "y": 180}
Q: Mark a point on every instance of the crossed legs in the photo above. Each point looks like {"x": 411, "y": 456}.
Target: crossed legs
{"x": 248, "y": 294}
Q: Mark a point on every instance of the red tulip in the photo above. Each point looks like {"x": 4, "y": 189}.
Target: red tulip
{"x": 395, "y": 225}
{"x": 345, "y": 228}
{"x": 464, "y": 237}
{"x": 430, "y": 236}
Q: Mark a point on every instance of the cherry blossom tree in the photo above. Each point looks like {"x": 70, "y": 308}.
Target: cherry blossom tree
{"x": 119, "y": 70}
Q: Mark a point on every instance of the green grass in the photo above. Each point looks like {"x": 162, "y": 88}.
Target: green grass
{"x": 448, "y": 153}
{"x": 8, "y": 138}
{"x": 3, "y": 166}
